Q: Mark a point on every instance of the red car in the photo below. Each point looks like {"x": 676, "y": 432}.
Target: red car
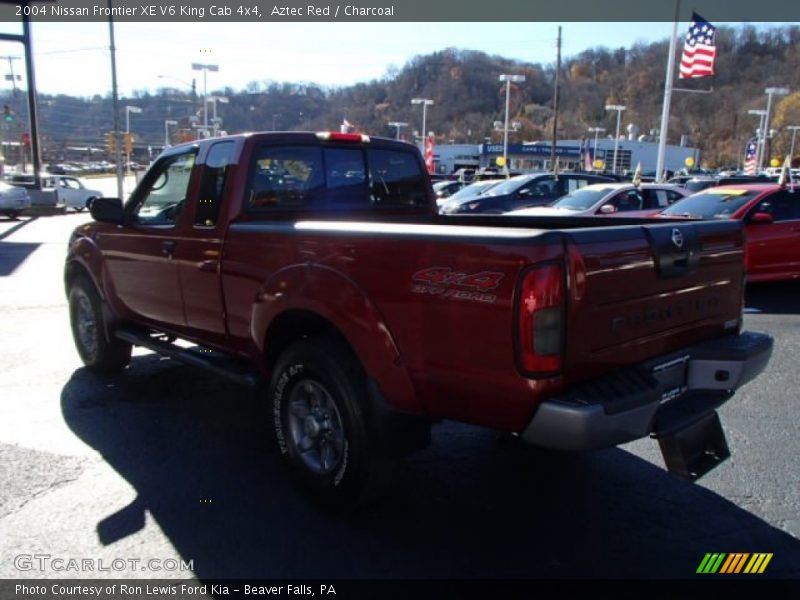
{"x": 771, "y": 215}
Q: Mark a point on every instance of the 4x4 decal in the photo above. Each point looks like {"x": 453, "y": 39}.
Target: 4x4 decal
{"x": 445, "y": 282}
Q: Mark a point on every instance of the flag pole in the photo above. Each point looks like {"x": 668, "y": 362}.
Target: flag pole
{"x": 662, "y": 139}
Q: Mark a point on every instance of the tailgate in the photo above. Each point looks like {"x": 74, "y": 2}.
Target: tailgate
{"x": 638, "y": 292}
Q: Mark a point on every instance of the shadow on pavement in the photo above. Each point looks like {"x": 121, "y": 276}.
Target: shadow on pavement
{"x": 17, "y": 227}
{"x": 13, "y": 254}
{"x": 777, "y": 298}
{"x": 198, "y": 452}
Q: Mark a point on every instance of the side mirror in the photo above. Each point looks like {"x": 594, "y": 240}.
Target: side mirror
{"x": 761, "y": 218}
{"x": 107, "y": 210}
{"x": 607, "y": 209}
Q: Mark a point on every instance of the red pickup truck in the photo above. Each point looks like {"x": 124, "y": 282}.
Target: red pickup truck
{"x": 317, "y": 263}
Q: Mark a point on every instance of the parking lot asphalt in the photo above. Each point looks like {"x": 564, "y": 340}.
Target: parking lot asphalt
{"x": 168, "y": 462}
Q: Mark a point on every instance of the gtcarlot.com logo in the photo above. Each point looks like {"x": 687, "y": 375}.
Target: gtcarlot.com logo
{"x": 48, "y": 562}
{"x": 734, "y": 562}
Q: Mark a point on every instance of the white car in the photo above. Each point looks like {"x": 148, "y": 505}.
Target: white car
{"x": 609, "y": 199}
{"x": 13, "y": 200}
{"x": 73, "y": 193}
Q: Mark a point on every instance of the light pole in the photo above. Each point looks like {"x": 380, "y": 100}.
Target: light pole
{"x": 167, "y": 123}
{"x": 399, "y": 125}
{"x": 192, "y": 86}
{"x": 425, "y": 103}
{"x": 793, "y": 129}
{"x": 205, "y": 69}
{"x": 619, "y": 108}
{"x": 128, "y": 110}
{"x": 214, "y": 120}
{"x": 596, "y": 131}
{"x": 508, "y": 79}
{"x": 760, "y": 113}
{"x": 770, "y": 92}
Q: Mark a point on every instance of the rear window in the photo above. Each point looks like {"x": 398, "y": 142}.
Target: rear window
{"x": 335, "y": 178}
{"x": 716, "y": 204}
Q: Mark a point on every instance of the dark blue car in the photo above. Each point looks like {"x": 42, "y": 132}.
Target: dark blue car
{"x": 533, "y": 189}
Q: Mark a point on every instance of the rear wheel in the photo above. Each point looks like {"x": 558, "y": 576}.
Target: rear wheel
{"x": 12, "y": 215}
{"x": 318, "y": 396}
{"x": 89, "y": 330}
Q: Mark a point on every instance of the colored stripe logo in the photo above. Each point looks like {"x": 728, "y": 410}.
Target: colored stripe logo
{"x": 735, "y": 562}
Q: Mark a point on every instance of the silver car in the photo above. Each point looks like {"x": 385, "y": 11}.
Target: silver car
{"x": 609, "y": 199}
{"x": 13, "y": 200}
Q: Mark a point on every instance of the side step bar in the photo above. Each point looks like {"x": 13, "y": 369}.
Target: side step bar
{"x": 210, "y": 360}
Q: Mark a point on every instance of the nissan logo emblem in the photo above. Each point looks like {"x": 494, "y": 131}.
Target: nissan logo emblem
{"x": 677, "y": 238}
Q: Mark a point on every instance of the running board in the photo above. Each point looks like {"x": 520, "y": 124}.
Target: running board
{"x": 210, "y": 360}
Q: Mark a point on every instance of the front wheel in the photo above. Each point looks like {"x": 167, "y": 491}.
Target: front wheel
{"x": 89, "y": 331}
{"x": 12, "y": 215}
{"x": 318, "y": 397}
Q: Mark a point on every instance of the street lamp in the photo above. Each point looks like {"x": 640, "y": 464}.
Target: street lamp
{"x": 770, "y": 92}
{"x": 619, "y": 108}
{"x": 426, "y": 102}
{"x": 793, "y": 129}
{"x": 508, "y": 79}
{"x": 128, "y": 110}
{"x": 205, "y": 69}
{"x": 760, "y": 113}
{"x": 214, "y": 120}
{"x": 596, "y": 131}
{"x": 167, "y": 123}
{"x": 399, "y": 125}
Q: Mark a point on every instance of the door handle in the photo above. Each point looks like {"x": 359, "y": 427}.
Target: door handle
{"x": 168, "y": 246}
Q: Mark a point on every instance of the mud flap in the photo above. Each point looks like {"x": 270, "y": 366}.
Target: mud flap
{"x": 695, "y": 450}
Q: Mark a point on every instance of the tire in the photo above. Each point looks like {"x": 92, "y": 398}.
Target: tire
{"x": 89, "y": 203}
{"x": 89, "y": 331}
{"x": 12, "y": 215}
{"x": 318, "y": 394}
{"x": 79, "y": 209}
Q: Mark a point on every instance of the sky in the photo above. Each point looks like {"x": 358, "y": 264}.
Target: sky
{"x": 73, "y": 58}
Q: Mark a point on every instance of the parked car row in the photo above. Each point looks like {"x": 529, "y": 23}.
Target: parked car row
{"x": 57, "y": 191}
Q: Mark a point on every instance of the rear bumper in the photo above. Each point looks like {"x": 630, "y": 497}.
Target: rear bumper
{"x": 657, "y": 397}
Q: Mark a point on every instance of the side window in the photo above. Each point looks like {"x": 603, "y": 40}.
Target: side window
{"x": 396, "y": 179}
{"x": 72, "y": 184}
{"x": 573, "y": 183}
{"x": 673, "y": 197}
{"x": 655, "y": 198}
{"x": 544, "y": 187}
{"x": 346, "y": 177}
{"x": 783, "y": 206}
{"x": 627, "y": 201}
{"x": 212, "y": 184}
{"x": 286, "y": 177}
{"x": 162, "y": 201}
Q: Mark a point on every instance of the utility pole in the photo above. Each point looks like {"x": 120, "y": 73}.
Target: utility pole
{"x": 13, "y": 77}
{"x": 555, "y": 101}
{"x": 115, "y": 99}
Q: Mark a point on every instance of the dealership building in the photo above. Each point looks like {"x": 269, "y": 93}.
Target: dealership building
{"x": 572, "y": 155}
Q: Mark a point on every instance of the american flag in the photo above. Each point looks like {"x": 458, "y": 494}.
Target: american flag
{"x": 429, "y": 153}
{"x": 698, "y": 49}
{"x": 750, "y": 157}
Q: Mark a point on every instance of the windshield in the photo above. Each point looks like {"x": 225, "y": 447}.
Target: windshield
{"x": 475, "y": 189}
{"x": 508, "y": 186}
{"x": 717, "y": 204}
{"x": 583, "y": 199}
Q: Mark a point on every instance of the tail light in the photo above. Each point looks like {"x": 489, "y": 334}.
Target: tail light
{"x": 540, "y": 320}
{"x": 332, "y": 136}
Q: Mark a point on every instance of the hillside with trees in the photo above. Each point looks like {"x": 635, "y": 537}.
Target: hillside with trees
{"x": 469, "y": 98}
